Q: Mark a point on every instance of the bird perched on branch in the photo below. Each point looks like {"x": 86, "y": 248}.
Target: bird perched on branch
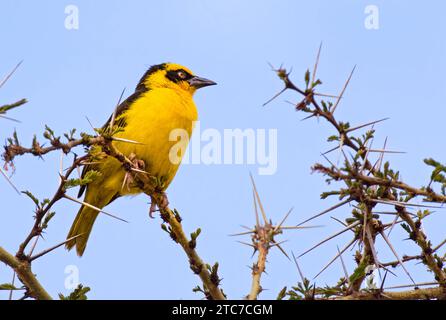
{"x": 161, "y": 103}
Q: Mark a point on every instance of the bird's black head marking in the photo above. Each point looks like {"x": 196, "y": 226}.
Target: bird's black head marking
{"x": 178, "y": 75}
{"x": 141, "y": 86}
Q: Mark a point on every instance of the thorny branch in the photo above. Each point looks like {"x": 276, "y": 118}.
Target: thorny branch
{"x": 21, "y": 263}
{"x": 262, "y": 240}
{"x": 24, "y": 273}
{"x": 369, "y": 185}
{"x": 207, "y": 274}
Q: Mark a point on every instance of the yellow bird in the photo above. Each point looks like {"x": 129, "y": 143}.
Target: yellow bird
{"x": 161, "y": 103}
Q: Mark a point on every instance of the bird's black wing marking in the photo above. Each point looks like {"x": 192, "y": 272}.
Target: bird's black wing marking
{"x": 120, "y": 122}
{"x": 123, "y": 107}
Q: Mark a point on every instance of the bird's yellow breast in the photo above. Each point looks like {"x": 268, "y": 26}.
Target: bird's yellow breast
{"x": 150, "y": 120}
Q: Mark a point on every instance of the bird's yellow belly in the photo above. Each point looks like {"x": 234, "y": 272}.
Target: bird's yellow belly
{"x": 156, "y": 127}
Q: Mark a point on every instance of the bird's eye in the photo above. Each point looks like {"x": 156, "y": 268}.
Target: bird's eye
{"x": 182, "y": 75}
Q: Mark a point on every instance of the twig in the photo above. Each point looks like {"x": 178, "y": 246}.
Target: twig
{"x": 10, "y": 74}
{"x": 25, "y": 275}
{"x": 257, "y": 270}
{"x": 417, "y": 294}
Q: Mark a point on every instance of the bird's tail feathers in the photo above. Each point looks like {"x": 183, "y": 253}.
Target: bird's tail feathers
{"x": 81, "y": 227}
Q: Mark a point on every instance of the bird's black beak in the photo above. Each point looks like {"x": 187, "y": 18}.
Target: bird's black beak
{"x": 199, "y": 82}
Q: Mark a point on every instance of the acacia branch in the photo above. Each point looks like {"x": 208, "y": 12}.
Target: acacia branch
{"x": 41, "y": 212}
{"x": 416, "y": 294}
{"x": 436, "y": 266}
{"x": 360, "y": 185}
{"x": 197, "y": 265}
{"x": 417, "y": 235}
{"x": 144, "y": 181}
{"x": 430, "y": 195}
{"x": 258, "y": 268}
{"x": 25, "y": 274}
{"x": 15, "y": 149}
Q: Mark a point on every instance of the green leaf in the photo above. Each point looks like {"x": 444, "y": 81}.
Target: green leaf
{"x": 345, "y": 125}
{"x": 78, "y": 294}
{"x": 8, "y": 107}
{"x": 8, "y": 286}
{"x": 333, "y": 138}
{"x": 194, "y": 235}
{"x": 70, "y": 136}
{"x": 198, "y": 289}
{"x": 406, "y": 227}
{"x": 88, "y": 177}
{"x": 32, "y": 197}
{"x": 324, "y": 106}
{"x": 16, "y": 138}
{"x": 281, "y": 294}
{"x": 316, "y": 83}
{"x": 431, "y": 162}
{"x": 307, "y": 77}
{"x": 47, "y": 219}
{"x": 326, "y": 194}
{"x": 358, "y": 273}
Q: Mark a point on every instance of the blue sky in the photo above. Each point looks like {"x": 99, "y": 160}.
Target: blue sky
{"x": 70, "y": 74}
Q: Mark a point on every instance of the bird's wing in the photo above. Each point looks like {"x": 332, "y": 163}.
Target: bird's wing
{"x": 122, "y": 108}
{"x": 119, "y": 121}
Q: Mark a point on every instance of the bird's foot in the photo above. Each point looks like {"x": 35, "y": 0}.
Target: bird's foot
{"x": 152, "y": 209}
{"x": 162, "y": 202}
{"x": 137, "y": 163}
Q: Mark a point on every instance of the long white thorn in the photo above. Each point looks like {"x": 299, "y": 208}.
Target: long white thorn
{"x": 94, "y": 208}
{"x": 343, "y": 90}
{"x": 10, "y": 74}
{"x": 9, "y": 181}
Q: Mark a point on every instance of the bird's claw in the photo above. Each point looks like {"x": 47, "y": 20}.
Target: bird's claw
{"x": 163, "y": 203}
{"x": 152, "y": 210}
